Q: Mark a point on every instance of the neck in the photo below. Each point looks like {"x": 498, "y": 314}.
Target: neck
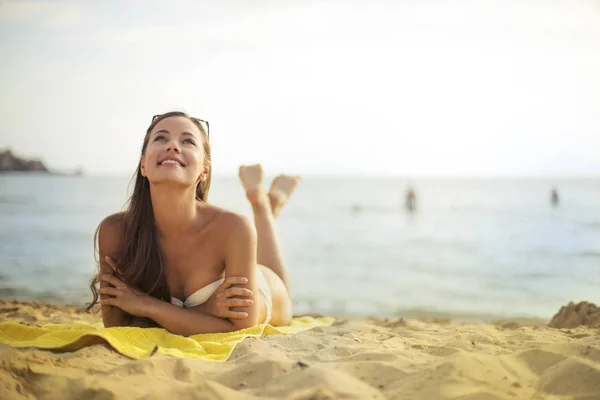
{"x": 174, "y": 210}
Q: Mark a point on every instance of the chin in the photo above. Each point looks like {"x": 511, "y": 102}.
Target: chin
{"x": 171, "y": 180}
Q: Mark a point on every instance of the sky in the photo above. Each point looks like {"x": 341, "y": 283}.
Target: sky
{"x": 380, "y": 87}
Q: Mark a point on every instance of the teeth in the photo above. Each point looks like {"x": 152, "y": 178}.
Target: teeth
{"x": 171, "y": 162}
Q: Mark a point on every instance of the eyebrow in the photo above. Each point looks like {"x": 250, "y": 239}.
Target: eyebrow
{"x": 166, "y": 131}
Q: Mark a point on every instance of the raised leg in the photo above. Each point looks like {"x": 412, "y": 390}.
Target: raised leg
{"x": 281, "y": 189}
{"x": 269, "y": 252}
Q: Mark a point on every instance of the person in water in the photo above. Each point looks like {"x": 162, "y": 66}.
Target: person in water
{"x": 173, "y": 260}
{"x": 554, "y": 199}
{"x": 410, "y": 201}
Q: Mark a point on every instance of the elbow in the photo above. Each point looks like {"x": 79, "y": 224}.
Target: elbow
{"x": 113, "y": 317}
{"x": 111, "y": 323}
{"x": 245, "y": 323}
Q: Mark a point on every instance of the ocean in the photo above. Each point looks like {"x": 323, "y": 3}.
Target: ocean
{"x": 472, "y": 249}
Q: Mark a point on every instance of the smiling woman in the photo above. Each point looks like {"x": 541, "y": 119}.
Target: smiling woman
{"x": 173, "y": 260}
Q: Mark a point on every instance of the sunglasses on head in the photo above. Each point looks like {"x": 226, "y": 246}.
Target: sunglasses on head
{"x": 204, "y": 124}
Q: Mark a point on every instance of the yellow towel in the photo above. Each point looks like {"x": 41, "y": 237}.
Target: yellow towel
{"x": 142, "y": 342}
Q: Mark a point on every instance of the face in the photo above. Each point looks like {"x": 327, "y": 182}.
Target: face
{"x": 175, "y": 153}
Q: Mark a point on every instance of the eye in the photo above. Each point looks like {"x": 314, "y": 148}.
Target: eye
{"x": 160, "y": 137}
{"x": 190, "y": 141}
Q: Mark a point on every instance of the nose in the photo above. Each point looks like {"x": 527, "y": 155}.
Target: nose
{"x": 172, "y": 146}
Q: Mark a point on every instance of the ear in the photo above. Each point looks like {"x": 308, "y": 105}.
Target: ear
{"x": 142, "y": 166}
{"x": 204, "y": 175}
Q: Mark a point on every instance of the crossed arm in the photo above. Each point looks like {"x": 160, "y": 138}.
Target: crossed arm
{"x": 117, "y": 298}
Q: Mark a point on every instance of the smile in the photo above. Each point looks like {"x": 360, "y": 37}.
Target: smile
{"x": 172, "y": 162}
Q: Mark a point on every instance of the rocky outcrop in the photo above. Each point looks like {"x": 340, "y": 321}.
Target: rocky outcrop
{"x": 573, "y": 315}
{"x": 11, "y": 163}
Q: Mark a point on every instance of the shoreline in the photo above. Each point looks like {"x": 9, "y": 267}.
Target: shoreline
{"x": 355, "y": 358}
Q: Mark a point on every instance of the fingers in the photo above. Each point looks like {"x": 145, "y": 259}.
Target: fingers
{"x": 233, "y": 280}
{"x": 234, "y": 291}
{"x": 110, "y": 291}
{"x": 113, "y": 280}
{"x": 109, "y": 301}
{"x": 228, "y": 303}
{"x": 234, "y": 314}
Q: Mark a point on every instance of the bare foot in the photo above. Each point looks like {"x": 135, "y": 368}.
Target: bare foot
{"x": 253, "y": 182}
{"x": 281, "y": 190}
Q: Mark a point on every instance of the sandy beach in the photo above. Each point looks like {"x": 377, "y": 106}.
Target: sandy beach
{"x": 357, "y": 358}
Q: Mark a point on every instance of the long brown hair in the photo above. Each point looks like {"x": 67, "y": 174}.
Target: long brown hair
{"x": 140, "y": 264}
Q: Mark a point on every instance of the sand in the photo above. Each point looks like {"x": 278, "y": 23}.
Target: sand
{"x": 357, "y": 358}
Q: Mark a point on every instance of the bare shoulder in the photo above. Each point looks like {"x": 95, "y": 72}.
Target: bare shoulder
{"x": 232, "y": 224}
{"x": 110, "y": 233}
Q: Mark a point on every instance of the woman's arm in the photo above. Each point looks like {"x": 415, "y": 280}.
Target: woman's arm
{"x": 178, "y": 320}
{"x": 186, "y": 321}
{"x": 240, "y": 260}
{"x": 109, "y": 244}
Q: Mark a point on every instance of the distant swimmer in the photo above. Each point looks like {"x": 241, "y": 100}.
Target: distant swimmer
{"x": 411, "y": 200}
{"x": 554, "y": 197}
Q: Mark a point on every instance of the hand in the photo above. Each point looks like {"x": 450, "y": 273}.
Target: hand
{"x": 228, "y": 296}
{"x": 131, "y": 300}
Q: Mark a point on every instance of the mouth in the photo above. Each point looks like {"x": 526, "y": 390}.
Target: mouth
{"x": 171, "y": 161}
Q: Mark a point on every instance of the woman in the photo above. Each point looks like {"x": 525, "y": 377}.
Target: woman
{"x": 175, "y": 260}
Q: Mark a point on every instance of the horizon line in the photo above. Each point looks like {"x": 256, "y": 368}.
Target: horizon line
{"x": 376, "y": 175}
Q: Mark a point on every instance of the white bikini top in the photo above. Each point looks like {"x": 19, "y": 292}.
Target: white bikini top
{"x": 200, "y": 296}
